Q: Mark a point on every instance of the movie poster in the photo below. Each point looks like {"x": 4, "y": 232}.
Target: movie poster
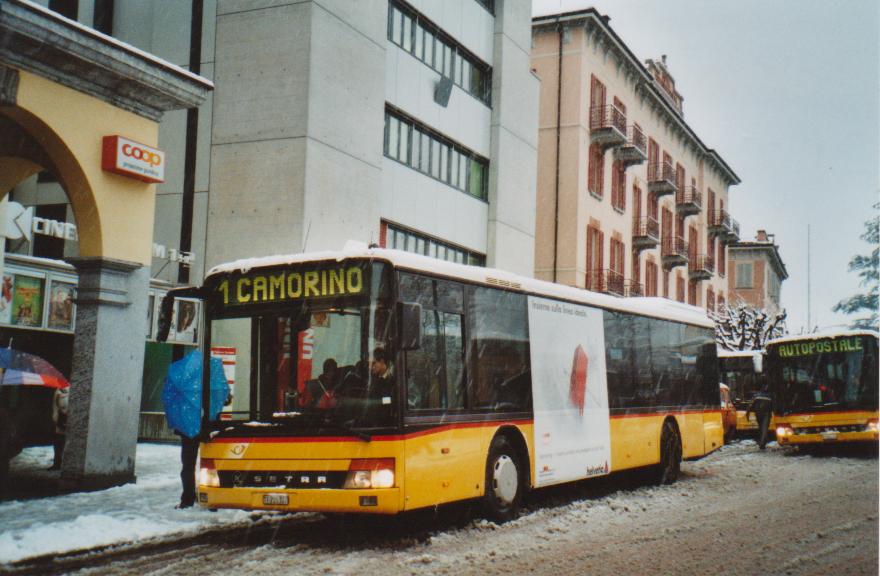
{"x": 6, "y": 300}
{"x": 61, "y": 309}
{"x": 570, "y": 391}
{"x": 186, "y": 321}
{"x": 27, "y": 301}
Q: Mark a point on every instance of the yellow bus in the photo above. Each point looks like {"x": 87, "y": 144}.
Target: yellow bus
{"x": 824, "y": 387}
{"x": 380, "y": 381}
{"x": 742, "y": 370}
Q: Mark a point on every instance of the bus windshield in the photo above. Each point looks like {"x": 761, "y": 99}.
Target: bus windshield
{"x": 738, "y": 372}
{"x": 826, "y": 374}
{"x": 314, "y": 353}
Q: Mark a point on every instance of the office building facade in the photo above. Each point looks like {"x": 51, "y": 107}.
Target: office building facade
{"x": 411, "y": 125}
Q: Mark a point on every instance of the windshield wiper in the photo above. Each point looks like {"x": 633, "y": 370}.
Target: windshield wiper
{"x": 348, "y": 429}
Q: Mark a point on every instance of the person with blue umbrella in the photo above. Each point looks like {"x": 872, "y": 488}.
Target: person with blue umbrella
{"x": 182, "y": 398}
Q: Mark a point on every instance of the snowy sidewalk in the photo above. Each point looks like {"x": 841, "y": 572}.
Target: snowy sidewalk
{"x": 130, "y": 514}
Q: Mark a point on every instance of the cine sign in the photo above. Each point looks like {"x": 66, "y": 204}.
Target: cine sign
{"x": 133, "y": 159}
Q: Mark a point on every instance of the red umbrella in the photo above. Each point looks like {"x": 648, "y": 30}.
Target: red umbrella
{"x": 23, "y": 369}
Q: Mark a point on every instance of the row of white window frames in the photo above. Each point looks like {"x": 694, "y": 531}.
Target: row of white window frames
{"x": 399, "y": 239}
{"x": 409, "y": 33}
{"x": 426, "y": 153}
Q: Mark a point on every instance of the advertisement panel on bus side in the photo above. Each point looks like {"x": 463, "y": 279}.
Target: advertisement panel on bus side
{"x": 570, "y": 391}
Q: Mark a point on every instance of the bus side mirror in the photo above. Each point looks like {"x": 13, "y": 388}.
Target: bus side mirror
{"x": 166, "y": 311}
{"x": 410, "y": 326}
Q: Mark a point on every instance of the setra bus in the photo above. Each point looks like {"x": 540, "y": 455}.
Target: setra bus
{"x": 824, "y": 387}
{"x": 380, "y": 381}
{"x": 742, "y": 371}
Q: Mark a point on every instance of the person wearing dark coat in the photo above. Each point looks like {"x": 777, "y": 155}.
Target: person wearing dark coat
{"x": 762, "y": 406}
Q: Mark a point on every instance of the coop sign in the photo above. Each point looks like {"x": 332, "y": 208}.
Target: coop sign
{"x": 288, "y": 285}
{"x": 133, "y": 159}
{"x": 21, "y": 224}
{"x": 796, "y": 349}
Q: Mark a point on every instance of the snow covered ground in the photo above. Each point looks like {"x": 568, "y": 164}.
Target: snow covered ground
{"x": 134, "y": 513}
{"x": 737, "y": 511}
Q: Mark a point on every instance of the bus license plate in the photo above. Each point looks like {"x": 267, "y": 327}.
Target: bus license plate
{"x": 275, "y": 499}
{"x": 829, "y": 435}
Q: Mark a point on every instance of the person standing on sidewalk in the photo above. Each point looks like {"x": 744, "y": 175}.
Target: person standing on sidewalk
{"x": 189, "y": 453}
{"x": 59, "y": 416}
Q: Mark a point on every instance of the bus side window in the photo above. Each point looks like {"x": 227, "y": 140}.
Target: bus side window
{"x": 498, "y": 350}
{"x": 621, "y": 364}
{"x": 435, "y": 372}
{"x": 423, "y": 366}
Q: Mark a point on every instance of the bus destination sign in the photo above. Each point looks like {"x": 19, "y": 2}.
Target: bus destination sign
{"x": 286, "y": 285}
{"x": 851, "y": 344}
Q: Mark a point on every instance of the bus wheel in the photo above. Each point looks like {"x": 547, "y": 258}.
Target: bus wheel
{"x": 670, "y": 454}
{"x": 504, "y": 485}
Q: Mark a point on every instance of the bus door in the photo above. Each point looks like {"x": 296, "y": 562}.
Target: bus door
{"x": 436, "y": 453}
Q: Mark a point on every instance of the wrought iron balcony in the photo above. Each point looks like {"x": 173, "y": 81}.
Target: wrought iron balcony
{"x": 721, "y": 225}
{"x": 632, "y": 289}
{"x": 674, "y": 252}
{"x": 635, "y": 150}
{"x": 606, "y": 281}
{"x": 733, "y": 235}
{"x": 688, "y": 201}
{"x": 701, "y": 266}
{"x": 646, "y": 233}
{"x": 661, "y": 179}
{"x": 607, "y": 126}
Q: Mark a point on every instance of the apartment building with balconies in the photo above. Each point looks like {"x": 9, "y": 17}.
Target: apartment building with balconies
{"x": 630, "y": 201}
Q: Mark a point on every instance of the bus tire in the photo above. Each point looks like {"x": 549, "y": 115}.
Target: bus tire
{"x": 504, "y": 482}
{"x": 670, "y": 454}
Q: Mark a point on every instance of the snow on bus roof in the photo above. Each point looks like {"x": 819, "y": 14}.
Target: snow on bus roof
{"x": 739, "y": 353}
{"x": 823, "y": 334}
{"x": 646, "y": 306}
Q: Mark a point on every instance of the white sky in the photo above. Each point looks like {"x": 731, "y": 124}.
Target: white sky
{"x": 788, "y": 93}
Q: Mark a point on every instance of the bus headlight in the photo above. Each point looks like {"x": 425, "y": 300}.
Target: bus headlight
{"x": 208, "y": 474}
{"x": 783, "y": 431}
{"x": 370, "y": 473}
{"x": 871, "y": 426}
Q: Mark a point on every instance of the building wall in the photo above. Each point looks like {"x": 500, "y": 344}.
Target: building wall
{"x": 585, "y": 56}
{"x": 288, "y": 148}
{"x": 296, "y": 148}
{"x": 756, "y": 296}
{"x": 763, "y": 274}
{"x": 513, "y": 169}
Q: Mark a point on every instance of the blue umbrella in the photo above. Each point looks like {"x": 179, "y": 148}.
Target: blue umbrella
{"x": 182, "y": 393}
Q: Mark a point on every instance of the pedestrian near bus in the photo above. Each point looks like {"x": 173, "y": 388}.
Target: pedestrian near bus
{"x": 762, "y": 406}
{"x": 182, "y": 398}
{"x": 59, "y": 417}
{"x": 189, "y": 453}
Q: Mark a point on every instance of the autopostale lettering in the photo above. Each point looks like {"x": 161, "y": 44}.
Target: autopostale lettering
{"x": 820, "y": 347}
{"x": 288, "y": 285}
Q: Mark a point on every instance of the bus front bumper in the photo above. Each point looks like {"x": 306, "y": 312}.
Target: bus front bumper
{"x": 375, "y": 501}
{"x": 827, "y": 437}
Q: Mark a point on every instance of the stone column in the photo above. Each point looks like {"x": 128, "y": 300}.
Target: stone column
{"x": 108, "y": 359}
